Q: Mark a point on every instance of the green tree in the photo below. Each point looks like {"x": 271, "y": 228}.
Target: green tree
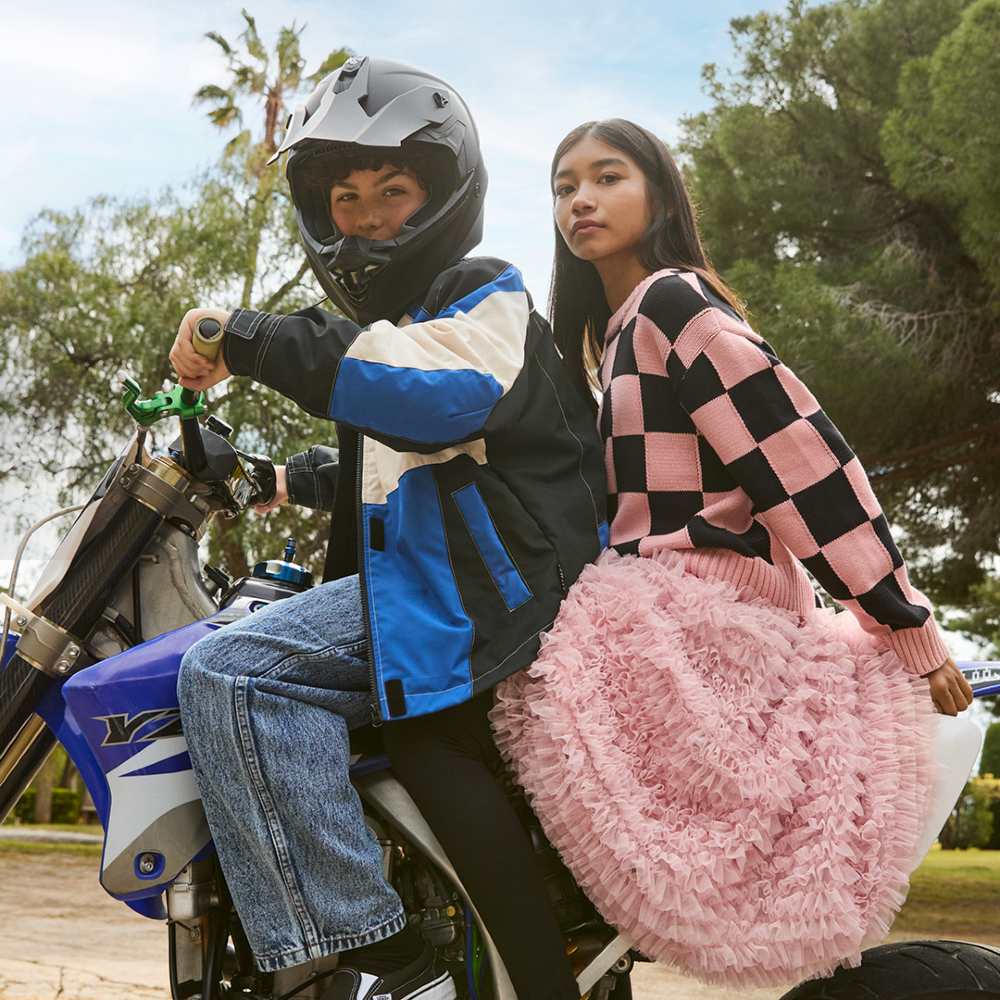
{"x": 103, "y": 288}
{"x": 970, "y": 823}
{"x": 989, "y": 763}
{"x": 942, "y": 144}
{"x": 867, "y": 246}
{"x": 989, "y": 767}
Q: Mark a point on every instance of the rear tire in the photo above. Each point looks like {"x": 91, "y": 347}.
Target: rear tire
{"x": 913, "y": 970}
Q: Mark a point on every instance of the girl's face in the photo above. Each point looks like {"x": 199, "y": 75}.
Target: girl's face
{"x": 376, "y": 203}
{"x": 601, "y": 202}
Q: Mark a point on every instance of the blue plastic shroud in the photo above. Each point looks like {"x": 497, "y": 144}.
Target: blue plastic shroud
{"x": 138, "y": 686}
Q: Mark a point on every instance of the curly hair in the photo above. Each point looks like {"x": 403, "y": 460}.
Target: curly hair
{"x": 321, "y": 170}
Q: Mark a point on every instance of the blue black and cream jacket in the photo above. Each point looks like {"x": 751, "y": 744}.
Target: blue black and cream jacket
{"x": 468, "y": 489}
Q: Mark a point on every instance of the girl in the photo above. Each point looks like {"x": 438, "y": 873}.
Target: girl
{"x": 744, "y": 774}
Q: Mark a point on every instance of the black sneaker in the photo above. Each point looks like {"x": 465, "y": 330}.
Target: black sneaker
{"x": 413, "y": 981}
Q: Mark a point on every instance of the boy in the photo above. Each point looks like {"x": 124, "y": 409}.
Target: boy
{"x": 468, "y": 495}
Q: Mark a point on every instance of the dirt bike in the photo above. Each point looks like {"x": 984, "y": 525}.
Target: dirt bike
{"x": 92, "y": 660}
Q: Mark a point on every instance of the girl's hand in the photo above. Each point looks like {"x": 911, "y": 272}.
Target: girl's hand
{"x": 280, "y": 492}
{"x": 194, "y": 371}
{"x": 950, "y": 691}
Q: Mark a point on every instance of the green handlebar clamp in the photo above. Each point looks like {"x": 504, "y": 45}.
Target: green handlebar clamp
{"x": 169, "y": 403}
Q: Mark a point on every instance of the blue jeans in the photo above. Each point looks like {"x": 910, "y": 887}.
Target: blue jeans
{"x": 266, "y": 705}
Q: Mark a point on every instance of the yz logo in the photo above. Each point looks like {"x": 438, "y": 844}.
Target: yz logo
{"x": 154, "y": 724}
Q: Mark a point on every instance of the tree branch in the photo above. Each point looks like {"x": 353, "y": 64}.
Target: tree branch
{"x": 958, "y": 437}
{"x": 975, "y": 458}
{"x": 292, "y": 282}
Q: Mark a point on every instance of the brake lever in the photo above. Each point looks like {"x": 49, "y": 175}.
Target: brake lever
{"x": 264, "y": 478}
{"x": 207, "y": 340}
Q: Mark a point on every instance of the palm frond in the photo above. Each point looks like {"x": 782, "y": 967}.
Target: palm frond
{"x": 334, "y": 60}
{"x": 249, "y": 80}
{"x": 212, "y": 92}
{"x": 220, "y": 41}
{"x": 254, "y": 45}
{"x": 225, "y": 116}
{"x": 289, "y": 55}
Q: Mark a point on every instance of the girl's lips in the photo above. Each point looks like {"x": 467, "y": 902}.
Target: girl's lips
{"x": 585, "y": 227}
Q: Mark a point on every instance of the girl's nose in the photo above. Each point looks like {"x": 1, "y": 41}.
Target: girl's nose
{"x": 583, "y": 201}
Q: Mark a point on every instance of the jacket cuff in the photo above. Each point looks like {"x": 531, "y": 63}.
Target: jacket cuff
{"x": 922, "y": 650}
{"x": 247, "y": 335}
{"x": 301, "y": 480}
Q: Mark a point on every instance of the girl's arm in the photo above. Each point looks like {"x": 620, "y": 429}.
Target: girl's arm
{"x": 807, "y": 486}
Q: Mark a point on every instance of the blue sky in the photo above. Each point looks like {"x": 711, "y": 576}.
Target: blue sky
{"x": 98, "y": 96}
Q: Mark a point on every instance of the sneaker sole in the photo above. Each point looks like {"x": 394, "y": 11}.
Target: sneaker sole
{"x": 442, "y": 988}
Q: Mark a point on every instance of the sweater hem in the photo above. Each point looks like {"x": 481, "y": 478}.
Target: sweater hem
{"x": 782, "y": 584}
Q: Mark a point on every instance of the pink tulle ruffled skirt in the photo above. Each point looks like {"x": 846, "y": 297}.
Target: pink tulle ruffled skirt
{"x": 739, "y": 790}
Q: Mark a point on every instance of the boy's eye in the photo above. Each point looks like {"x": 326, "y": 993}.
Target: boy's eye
{"x": 346, "y": 196}
{"x": 392, "y": 192}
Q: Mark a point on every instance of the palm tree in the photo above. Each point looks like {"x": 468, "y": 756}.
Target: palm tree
{"x": 272, "y": 81}
{"x": 259, "y": 81}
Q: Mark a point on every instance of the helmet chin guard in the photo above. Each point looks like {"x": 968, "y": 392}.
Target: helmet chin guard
{"x": 380, "y": 111}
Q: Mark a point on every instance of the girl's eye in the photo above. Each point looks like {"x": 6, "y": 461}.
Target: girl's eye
{"x": 608, "y": 178}
{"x": 563, "y": 190}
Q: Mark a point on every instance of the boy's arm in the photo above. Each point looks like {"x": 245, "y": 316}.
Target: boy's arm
{"x": 312, "y": 477}
{"x": 420, "y": 387}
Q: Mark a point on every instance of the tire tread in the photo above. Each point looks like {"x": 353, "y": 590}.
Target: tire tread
{"x": 912, "y": 970}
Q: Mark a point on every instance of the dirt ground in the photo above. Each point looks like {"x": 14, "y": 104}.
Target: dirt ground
{"x": 62, "y": 938}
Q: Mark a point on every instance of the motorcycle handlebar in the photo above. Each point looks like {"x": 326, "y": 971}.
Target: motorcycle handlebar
{"x": 206, "y": 339}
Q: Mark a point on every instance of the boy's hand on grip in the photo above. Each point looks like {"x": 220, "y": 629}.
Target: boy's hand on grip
{"x": 280, "y": 492}
{"x": 193, "y": 370}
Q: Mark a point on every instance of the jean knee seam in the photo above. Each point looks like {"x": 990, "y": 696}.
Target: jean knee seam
{"x": 294, "y": 659}
{"x": 252, "y": 764}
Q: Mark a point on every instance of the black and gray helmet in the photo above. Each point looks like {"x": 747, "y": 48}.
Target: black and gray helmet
{"x": 373, "y": 108}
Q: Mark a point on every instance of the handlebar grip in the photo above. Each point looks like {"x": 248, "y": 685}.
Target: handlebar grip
{"x": 207, "y": 338}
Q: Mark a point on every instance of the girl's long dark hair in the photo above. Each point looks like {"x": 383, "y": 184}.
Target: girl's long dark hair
{"x": 578, "y": 310}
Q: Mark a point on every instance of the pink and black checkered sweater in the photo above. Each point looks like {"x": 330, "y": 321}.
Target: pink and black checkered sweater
{"x": 715, "y": 449}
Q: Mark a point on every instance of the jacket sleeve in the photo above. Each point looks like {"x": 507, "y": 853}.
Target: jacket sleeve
{"x": 312, "y": 477}
{"x": 806, "y": 485}
{"x": 417, "y": 387}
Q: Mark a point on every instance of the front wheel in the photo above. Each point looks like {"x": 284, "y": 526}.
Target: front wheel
{"x": 912, "y": 970}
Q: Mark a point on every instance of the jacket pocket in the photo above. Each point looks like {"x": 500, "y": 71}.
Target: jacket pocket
{"x": 490, "y": 546}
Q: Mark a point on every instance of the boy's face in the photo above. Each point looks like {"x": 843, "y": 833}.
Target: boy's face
{"x": 376, "y": 203}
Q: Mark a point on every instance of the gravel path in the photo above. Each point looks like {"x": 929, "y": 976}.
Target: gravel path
{"x": 63, "y": 938}
{"x": 48, "y": 836}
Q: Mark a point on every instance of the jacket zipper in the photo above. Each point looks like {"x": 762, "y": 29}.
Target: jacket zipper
{"x": 362, "y": 586}
{"x": 579, "y": 444}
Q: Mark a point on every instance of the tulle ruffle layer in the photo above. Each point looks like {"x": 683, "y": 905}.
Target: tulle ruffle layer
{"x": 739, "y": 790}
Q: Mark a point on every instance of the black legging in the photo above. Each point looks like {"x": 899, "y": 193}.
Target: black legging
{"x": 451, "y": 767}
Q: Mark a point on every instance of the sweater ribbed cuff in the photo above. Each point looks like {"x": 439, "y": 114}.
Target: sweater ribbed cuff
{"x": 921, "y": 649}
